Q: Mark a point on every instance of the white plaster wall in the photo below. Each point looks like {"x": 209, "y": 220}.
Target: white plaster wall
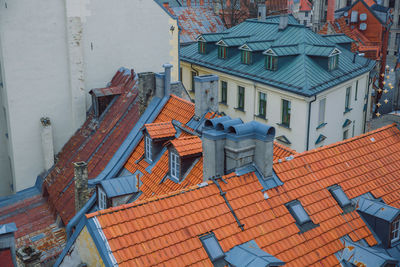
{"x": 49, "y": 65}
{"x": 33, "y": 42}
{"x": 334, "y": 112}
{"x": 134, "y": 33}
{"x": 297, "y": 134}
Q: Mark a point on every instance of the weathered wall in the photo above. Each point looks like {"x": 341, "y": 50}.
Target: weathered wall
{"x": 297, "y": 133}
{"x": 54, "y": 52}
{"x": 83, "y": 251}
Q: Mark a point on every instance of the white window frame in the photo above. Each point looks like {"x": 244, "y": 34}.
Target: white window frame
{"x": 148, "y": 147}
{"x": 174, "y": 165}
{"x": 102, "y": 199}
{"x": 395, "y": 231}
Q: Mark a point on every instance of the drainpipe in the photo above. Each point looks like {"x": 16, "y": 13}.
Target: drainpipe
{"x": 366, "y": 107}
{"x": 309, "y": 119}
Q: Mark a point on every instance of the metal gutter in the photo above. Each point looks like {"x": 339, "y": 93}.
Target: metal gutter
{"x": 309, "y": 121}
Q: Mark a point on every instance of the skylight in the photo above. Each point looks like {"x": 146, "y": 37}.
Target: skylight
{"x": 212, "y": 247}
{"x": 303, "y": 220}
{"x": 341, "y": 198}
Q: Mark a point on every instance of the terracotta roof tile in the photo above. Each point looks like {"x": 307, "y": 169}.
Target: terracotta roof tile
{"x": 186, "y": 146}
{"x": 167, "y": 227}
{"x": 160, "y": 129}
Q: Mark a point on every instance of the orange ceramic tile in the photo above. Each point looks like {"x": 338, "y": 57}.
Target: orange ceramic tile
{"x": 160, "y": 130}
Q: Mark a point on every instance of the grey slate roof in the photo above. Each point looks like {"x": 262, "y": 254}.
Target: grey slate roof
{"x": 249, "y": 254}
{"x": 120, "y": 186}
{"x": 300, "y": 67}
{"x": 378, "y": 209}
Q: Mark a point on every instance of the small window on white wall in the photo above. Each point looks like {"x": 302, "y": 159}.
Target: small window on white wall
{"x": 102, "y": 199}
{"x": 321, "y": 114}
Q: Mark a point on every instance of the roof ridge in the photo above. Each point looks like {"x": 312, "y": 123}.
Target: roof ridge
{"x": 181, "y": 99}
{"x": 298, "y": 155}
{"x": 147, "y": 200}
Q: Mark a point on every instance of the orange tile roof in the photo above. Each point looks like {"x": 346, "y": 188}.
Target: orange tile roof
{"x": 180, "y": 110}
{"x": 160, "y": 130}
{"x": 164, "y": 230}
{"x": 186, "y": 146}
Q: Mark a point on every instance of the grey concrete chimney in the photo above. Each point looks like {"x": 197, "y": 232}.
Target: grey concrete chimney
{"x": 47, "y": 143}
{"x": 231, "y": 144}
{"x": 283, "y": 22}
{"x": 81, "y": 185}
{"x": 147, "y": 85}
{"x": 262, "y": 12}
{"x": 163, "y": 82}
{"x": 206, "y": 94}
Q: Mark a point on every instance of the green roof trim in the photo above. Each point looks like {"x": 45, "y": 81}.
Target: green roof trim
{"x": 320, "y": 138}
{"x": 304, "y": 73}
{"x": 338, "y": 38}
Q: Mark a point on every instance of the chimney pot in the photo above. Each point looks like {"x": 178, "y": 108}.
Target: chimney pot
{"x": 81, "y": 185}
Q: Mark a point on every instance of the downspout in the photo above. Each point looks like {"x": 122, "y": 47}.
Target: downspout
{"x": 309, "y": 120}
{"x": 366, "y": 104}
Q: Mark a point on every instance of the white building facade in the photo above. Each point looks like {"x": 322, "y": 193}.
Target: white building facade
{"x": 52, "y": 53}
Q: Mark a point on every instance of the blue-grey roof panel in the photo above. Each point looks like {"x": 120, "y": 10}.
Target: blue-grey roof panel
{"x": 120, "y": 186}
{"x": 304, "y": 73}
{"x": 378, "y": 209}
{"x": 338, "y": 38}
{"x": 8, "y": 228}
{"x": 249, "y": 254}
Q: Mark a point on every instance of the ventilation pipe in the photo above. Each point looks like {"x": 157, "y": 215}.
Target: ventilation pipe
{"x": 163, "y": 81}
{"x": 47, "y": 143}
{"x": 81, "y": 185}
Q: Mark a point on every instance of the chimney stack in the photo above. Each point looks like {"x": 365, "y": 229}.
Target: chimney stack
{"x": 81, "y": 185}
{"x": 283, "y": 22}
{"x": 206, "y": 94}
{"x": 163, "y": 81}
{"x": 231, "y": 144}
{"x": 330, "y": 15}
{"x": 47, "y": 143}
{"x": 262, "y": 12}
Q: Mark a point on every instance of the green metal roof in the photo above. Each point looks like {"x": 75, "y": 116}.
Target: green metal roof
{"x": 303, "y": 73}
{"x": 235, "y": 41}
{"x": 338, "y": 38}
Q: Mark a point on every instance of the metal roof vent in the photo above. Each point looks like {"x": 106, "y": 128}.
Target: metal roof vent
{"x": 363, "y": 16}
{"x": 354, "y": 16}
{"x": 363, "y": 26}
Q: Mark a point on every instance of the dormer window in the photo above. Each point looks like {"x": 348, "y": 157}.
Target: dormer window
{"x": 303, "y": 220}
{"x": 174, "y": 162}
{"x": 222, "y": 52}
{"x": 395, "y": 235}
{"x": 101, "y": 198}
{"x": 333, "y": 62}
{"x": 246, "y": 57}
{"x": 148, "y": 147}
{"x": 202, "y": 47}
{"x": 271, "y": 62}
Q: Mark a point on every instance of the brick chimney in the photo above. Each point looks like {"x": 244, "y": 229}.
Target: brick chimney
{"x": 330, "y": 15}
{"x": 206, "y": 94}
{"x": 81, "y": 185}
{"x": 231, "y": 144}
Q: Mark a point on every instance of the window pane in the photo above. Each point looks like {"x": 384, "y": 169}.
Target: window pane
{"x": 345, "y": 134}
{"x": 286, "y": 112}
{"x": 341, "y": 197}
{"x": 224, "y": 89}
{"x": 193, "y": 75}
{"x": 241, "y": 97}
{"x": 262, "y": 106}
{"x": 301, "y": 215}
{"x": 347, "y": 99}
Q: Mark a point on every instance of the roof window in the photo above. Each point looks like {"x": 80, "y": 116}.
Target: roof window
{"x": 333, "y": 62}
{"x": 271, "y": 62}
{"x": 212, "y": 247}
{"x": 222, "y": 52}
{"x": 303, "y": 220}
{"x": 174, "y": 162}
{"x": 147, "y": 147}
{"x": 341, "y": 198}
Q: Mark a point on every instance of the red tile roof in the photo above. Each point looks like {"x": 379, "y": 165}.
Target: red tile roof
{"x": 186, "y": 146}
{"x": 160, "y": 130}
{"x": 164, "y": 230}
{"x": 6, "y": 258}
{"x": 196, "y": 20}
{"x": 95, "y": 144}
{"x": 180, "y": 110}
{"x": 33, "y": 217}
